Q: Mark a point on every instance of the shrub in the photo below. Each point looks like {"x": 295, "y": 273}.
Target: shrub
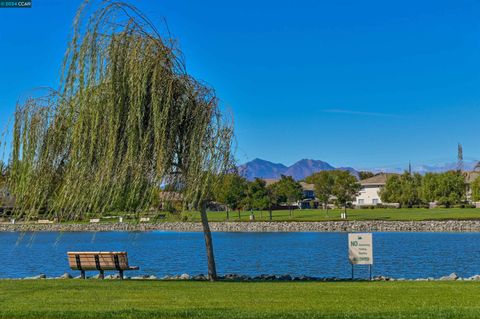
{"x": 367, "y": 207}
{"x": 423, "y": 206}
{"x": 463, "y": 206}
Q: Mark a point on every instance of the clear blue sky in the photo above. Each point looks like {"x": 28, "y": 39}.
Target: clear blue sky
{"x": 357, "y": 83}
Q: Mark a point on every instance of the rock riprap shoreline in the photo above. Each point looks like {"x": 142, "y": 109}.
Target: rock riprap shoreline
{"x": 263, "y": 277}
{"x": 328, "y": 226}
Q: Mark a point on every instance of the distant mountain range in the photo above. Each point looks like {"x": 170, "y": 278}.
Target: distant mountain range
{"x": 306, "y": 167}
{"x": 301, "y": 169}
{"x": 435, "y": 168}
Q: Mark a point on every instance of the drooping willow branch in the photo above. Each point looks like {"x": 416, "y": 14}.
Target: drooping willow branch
{"x": 126, "y": 120}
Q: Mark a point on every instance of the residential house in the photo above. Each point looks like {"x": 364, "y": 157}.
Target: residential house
{"x": 369, "y": 193}
{"x": 308, "y": 190}
{"x": 309, "y": 200}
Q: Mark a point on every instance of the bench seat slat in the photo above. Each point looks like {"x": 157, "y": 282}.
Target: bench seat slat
{"x": 106, "y": 261}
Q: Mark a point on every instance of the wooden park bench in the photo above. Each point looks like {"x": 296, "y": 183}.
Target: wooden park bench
{"x": 99, "y": 260}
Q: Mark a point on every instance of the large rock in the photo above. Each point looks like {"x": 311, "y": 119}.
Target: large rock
{"x": 452, "y": 276}
{"x": 233, "y": 277}
{"x": 301, "y": 278}
{"x": 65, "y": 276}
{"x": 475, "y": 277}
{"x": 140, "y": 277}
{"x": 41, "y": 276}
{"x": 381, "y": 278}
{"x": 285, "y": 277}
{"x": 184, "y": 277}
{"x": 265, "y": 277}
{"x": 200, "y": 277}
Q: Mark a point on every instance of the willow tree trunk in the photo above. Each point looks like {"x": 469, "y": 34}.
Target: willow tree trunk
{"x": 207, "y": 234}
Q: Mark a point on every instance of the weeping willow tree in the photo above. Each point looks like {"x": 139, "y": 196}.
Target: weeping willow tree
{"x": 126, "y": 120}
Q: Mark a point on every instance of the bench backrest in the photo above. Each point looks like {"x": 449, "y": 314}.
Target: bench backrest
{"x": 98, "y": 260}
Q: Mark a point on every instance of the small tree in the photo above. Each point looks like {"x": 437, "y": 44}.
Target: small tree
{"x": 231, "y": 191}
{"x": 324, "y": 183}
{"x": 256, "y": 195}
{"x": 411, "y": 189}
{"x": 429, "y": 187}
{"x": 404, "y": 189}
{"x": 392, "y": 190}
{"x": 273, "y": 198}
{"x": 288, "y": 191}
{"x": 451, "y": 188}
{"x": 365, "y": 174}
{"x": 475, "y": 188}
{"x": 346, "y": 187}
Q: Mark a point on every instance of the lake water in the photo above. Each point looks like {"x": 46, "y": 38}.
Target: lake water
{"x": 407, "y": 255}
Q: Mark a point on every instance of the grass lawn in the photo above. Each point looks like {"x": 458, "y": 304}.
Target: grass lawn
{"x": 353, "y": 214}
{"x": 310, "y": 215}
{"x": 155, "y": 299}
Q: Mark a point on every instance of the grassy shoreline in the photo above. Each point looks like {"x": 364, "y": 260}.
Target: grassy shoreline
{"x": 387, "y": 214}
{"x": 306, "y": 215}
{"x": 319, "y": 215}
{"x": 153, "y": 299}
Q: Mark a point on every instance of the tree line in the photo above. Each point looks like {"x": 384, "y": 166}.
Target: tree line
{"x": 341, "y": 187}
{"x": 237, "y": 193}
{"x": 447, "y": 189}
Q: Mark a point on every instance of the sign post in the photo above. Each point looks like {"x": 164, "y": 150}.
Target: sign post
{"x": 360, "y": 250}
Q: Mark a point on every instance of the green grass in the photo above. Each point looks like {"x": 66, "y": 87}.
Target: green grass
{"x": 353, "y": 214}
{"x": 309, "y": 215}
{"x": 154, "y": 299}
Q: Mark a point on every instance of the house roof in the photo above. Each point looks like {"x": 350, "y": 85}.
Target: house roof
{"x": 307, "y": 186}
{"x": 379, "y": 179}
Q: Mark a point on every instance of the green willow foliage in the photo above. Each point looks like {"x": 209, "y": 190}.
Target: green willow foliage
{"x": 126, "y": 121}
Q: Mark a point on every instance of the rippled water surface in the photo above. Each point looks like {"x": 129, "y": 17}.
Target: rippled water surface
{"x": 407, "y": 255}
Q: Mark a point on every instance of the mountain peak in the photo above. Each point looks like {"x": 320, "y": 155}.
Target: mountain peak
{"x": 262, "y": 169}
{"x": 299, "y": 170}
{"x": 307, "y": 167}
{"x": 259, "y": 160}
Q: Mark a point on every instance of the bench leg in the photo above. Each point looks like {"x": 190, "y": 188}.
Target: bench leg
{"x": 120, "y": 272}
{"x": 102, "y": 275}
{"x": 82, "y": 274}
